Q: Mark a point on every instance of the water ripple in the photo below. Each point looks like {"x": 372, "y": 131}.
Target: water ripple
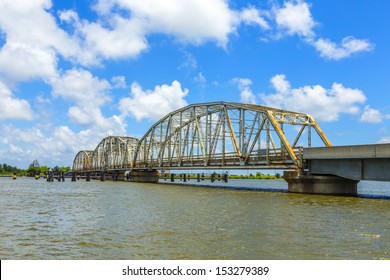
{"x": 117, "y": 220}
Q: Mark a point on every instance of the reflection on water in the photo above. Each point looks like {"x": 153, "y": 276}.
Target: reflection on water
{"x": 119, "y": 220}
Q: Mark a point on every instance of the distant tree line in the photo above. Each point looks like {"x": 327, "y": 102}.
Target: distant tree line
{"x": 258, "y": 175}
{"x": 32, "y": 170}
{"x": 6, "y": 169}
{"x": 42, "y": 170}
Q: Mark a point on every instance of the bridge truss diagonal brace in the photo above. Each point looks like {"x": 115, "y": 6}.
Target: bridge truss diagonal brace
{"x": 320, "y": 133}
{"x": 283, "y": 138}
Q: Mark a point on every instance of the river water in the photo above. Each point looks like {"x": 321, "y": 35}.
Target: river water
{"x": 121, "y": 220}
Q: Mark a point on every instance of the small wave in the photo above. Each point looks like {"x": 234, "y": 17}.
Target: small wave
{"x": 374, "y": 196}
{"x": 88, "y": 244}
{"x": 370, "y": 235}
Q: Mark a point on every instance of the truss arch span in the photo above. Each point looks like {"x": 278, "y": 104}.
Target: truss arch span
{"x": 114, "y": 152}
{"x": 82, "y": 161}
{"x": 226, "y": 135}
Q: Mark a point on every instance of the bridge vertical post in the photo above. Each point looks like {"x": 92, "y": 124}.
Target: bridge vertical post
{"x": 242, "y": 131}
{"x": 223, "y": 136}
{"x": 144, "y": 176}
{"x": 50, "y": 177}
{"x": 198, "y": 177}
{"x": 88, "y": 177}
{"x": 267, "y": 142}
{"x": 206, "y": 140}
{"x": 300, "y": 157}
{"x": 226, "y": 177}
{"x": 184, "y": 177}
{"x": 180, "y": 139}
{"x": 73, "y": 177}
{"x": 172, "y": 177}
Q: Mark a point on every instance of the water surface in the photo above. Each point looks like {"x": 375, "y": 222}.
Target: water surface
{"x": 121, "y": 220}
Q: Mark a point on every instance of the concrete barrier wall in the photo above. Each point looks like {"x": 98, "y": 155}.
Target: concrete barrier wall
{"x": 347, "y": 152}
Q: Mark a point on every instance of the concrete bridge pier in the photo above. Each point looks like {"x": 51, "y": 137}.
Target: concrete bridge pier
{"x": 320, "y": 184}
{"x": 147, "y": 176}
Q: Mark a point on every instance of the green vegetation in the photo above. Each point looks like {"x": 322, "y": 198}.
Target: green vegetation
{"x": 207, "y": 176}
{"x": 257, "y": 176}
{"x": 32, "y": 170}
{"x": 42, "y": 170}
{"x": 8, "y": 170}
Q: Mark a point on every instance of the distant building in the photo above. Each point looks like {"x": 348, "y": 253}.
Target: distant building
{"x": 35, "y": 163}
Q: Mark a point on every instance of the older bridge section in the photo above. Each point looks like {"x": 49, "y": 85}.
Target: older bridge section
{"x": 225, "y": 135}
{"x": 218, "y": 135}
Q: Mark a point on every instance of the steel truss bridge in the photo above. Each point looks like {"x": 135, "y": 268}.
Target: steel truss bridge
{"x": 218, "y": 135}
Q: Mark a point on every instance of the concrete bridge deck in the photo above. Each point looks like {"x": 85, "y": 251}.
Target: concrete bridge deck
{"x": 357, "y": 162}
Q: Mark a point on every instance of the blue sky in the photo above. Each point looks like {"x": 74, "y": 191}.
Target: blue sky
{"x": 73, "y": 72}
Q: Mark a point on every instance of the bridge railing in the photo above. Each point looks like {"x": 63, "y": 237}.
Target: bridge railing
{"x": 272, "y": 158}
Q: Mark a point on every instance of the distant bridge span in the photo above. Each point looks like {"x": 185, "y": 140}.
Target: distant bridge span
{"x": 217, "y": 135}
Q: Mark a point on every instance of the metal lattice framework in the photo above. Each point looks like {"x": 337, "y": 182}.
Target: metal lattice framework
{"x": 210, "y": 136}
{"x": 113, "y": 152}
{"x": 82, "y": 161}
{"x": 226, "y": 135}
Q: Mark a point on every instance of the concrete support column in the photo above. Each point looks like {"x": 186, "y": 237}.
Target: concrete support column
{"x": 74, "y": 176}
{"x": 148, "y": 176}
{"x": 320, "y": 184}
{"x": 121, "y": 175}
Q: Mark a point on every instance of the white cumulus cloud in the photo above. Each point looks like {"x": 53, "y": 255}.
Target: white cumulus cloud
{"x": 252, "y": 16}
{"x": 13, "y": 108}
{"x": 32, "y": 43}
{"x": 371, "y": 115}
{"x": 60, "y": 147}
{"x": 193, "y": 21}
{"x": 348, "y": 46}
{"x": 246, "y": 94}
{"x": 324, "y": 104}
{"x": 89, "y": 94}
{"x": 21, "y": 62}
{"x": 81, "y": 87}
{"x": 123, "y": 39}
{"x": 153, "y": 104}
{"x": 295, "y": 18}
{"x": 200, "y": 79}
{"x": 384, "y": 140}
